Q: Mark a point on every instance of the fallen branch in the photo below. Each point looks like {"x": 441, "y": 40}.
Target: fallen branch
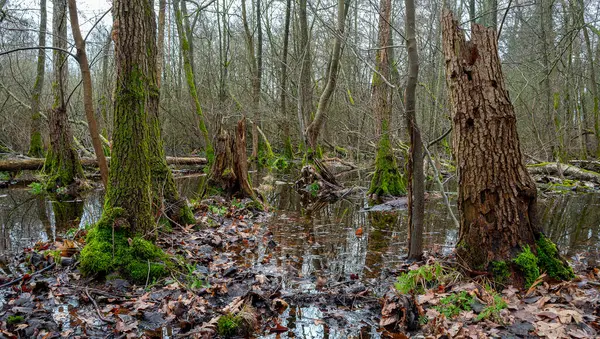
{"x": 570, "y": 171}
{"x": 32, "y": 164}
{"x": 12, "y": 282}
{"x": 98, "y": 309}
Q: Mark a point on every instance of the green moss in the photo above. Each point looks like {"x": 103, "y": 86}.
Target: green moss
{"x": 186, "y": 215}
{"x": 550, "y": 262}
{"x": 228, "y": 325}
{"x": 36, "y": 146}
{"x": 387, "y": 179}
{"x": 107, "y": 251}
{"x": 288, "y": 150}
{"x": 501, "y": 271}
{"x": 528, "y": 264}
{"x": 14, "y": 319}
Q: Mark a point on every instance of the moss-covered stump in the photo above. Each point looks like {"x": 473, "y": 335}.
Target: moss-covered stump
{"x": 387, "y": 179}
{"x": 110, "y": 247}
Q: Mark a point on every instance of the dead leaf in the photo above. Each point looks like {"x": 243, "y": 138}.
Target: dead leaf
{"x": 550, "y": 330}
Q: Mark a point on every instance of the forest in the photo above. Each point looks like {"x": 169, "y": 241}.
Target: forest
{"x": 299, "y": 169}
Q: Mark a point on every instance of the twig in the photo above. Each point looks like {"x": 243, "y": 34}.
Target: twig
{"x": 12, "y": 282}
{"x": 98, "y": 309}
{"x": 438, "y": 139}
{"x": 148, "y": 276}
{"x": 441, "y": 185}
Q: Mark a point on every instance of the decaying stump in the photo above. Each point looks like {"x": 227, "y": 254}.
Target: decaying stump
{"x": 317, "y": 183}
{"x": 229, "y": 172}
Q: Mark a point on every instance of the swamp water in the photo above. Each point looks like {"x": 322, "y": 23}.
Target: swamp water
{"x": 338, "y": 241}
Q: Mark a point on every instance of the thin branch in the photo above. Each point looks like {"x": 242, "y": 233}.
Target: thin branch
{"x": 40, "y": 47}
{"x": 440, "y": 138}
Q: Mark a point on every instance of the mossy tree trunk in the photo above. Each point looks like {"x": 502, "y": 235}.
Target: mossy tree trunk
{"x": 116, "y": 242}
{"x": 387, "y": 179}
{"x": 165, "y": 196}
{"x": 189, "y": 74}
{"x": 314, "y": 128}
{"x": 36, "y": 146}
{"x": 62, "y": 162}
{"x": 496, "y": 195}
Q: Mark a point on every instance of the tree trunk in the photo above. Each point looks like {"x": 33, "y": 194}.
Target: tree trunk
{"x": 416, "y": 181}
{"x": 305, "y": 88}
{"x": 229, "y": 172}
{"x": 189, "y": 74}
{"x": 255, "y": 72}
{"x": 116, "y": 242}
{"x": 166, "y": 199}
{"x": 62, "y": 161}
{"x": 287, "y": 143}
{"x": 36, "y": 145}
{"x": 314, "y": 128}
{"x": 387, "y": 179}
{"x": 496, "y": 195}
{"x": 88, "y": 92}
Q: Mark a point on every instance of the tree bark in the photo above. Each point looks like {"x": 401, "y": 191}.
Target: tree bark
{"x": 62, "y": 161}
{"x": 36, "y": 145}
{"x": 283, "y": 90}
{"x": 496, "y": 195}
{"x": 314, "y": 128}
{"x": 305, "y": 88}
{"x": 129, "y": 183}
{"x": 416, "y": 181}
{"x": 387, "y": 179}
{"x": 166, "y": 198}
{"x": 189, "y": 74}
{"x": 88, "y": 92}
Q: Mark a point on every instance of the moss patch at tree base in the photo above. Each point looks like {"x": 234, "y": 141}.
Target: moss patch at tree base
{"x": 110, "y": 247}
{"x": 387, "y": 179}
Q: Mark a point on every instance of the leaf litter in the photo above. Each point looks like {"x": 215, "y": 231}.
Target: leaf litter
{"x": 234, "y": 271}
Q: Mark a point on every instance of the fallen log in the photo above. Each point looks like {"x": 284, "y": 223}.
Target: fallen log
{"x": 592, "y": 165}
{"x": 564, "y": 170}
{"x": 32, "y": 164}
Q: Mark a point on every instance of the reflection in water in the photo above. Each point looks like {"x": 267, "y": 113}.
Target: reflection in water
{"x": 307, "y": 322}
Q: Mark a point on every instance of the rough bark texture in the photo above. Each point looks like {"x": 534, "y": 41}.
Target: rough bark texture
{"x": 88, "y": 92}
{"x": 416, "y": 182}
{"x": 496, "y": 196}
{"x": 36, "y": 146}
{"x": 62, "y": 162}
{"x": 129, "y": 182}
{"x": 229, "y": 172}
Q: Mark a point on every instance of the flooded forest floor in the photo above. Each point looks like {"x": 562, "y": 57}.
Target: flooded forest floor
{"x": 327, "y": 270}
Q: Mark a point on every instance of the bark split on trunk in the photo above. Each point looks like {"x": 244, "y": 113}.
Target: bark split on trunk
{"x": 497, "y": 197}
